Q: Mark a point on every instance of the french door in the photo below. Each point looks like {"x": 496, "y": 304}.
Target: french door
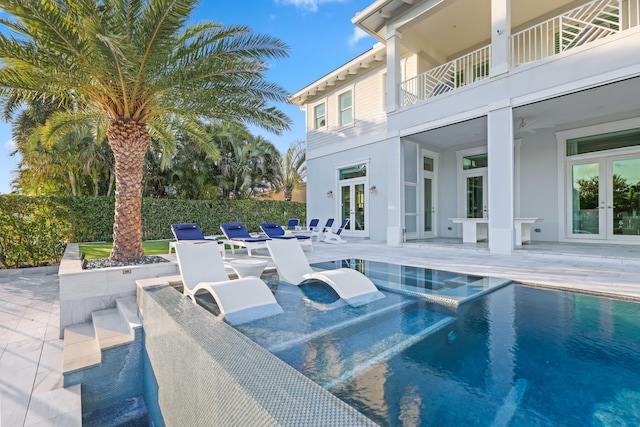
{"x": 428, "y": 200}
{"x": 353, "y": 205}
{"x": 476, "y": 194}
{"x": 604, "y": 198}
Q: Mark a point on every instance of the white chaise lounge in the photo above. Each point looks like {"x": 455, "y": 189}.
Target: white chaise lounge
{"x": 240, "y": 300}
{"x": 352, "y": 286}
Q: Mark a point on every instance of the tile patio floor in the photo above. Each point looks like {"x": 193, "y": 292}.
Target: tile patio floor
{"x": 31, "y": 353}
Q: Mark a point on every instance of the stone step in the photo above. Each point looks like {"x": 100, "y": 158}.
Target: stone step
{"x": 109, "y": 328}
{"x": 81, "y": 348}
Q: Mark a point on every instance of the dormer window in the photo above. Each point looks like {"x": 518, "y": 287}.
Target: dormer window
{"x": 319, "y": 116}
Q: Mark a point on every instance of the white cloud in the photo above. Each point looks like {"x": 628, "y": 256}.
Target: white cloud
{"x": 358, "y": 34}
{"x": 309, "y": 5}
{"x": 10, "y": 145}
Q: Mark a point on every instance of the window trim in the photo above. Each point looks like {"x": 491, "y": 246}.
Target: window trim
{"x": 340, "y": 110}
{"x": 315, "y": 117}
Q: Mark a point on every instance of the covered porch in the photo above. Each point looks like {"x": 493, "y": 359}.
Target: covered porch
{"x": 571, "y": 162}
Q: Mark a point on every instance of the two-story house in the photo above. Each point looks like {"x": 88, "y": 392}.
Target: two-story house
{"x": 493, "y": 110}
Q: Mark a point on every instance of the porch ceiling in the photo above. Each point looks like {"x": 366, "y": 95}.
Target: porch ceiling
{"x": 602, "y": 104}
{"x": 450, "y": 28}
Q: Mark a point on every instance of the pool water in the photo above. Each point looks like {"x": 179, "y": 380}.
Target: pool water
{"x": 510, "y": 356}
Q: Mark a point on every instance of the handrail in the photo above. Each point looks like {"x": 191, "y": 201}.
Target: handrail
{"x": 581, "y": 25}
{"x": 451, "y": 75}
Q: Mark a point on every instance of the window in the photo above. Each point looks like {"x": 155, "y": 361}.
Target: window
{"x": 475, "y": 161}
{"x": 353, "y": 172}
{"x": 345, "y": 102}
{"x": 603, "y": 142}
{"x": 320, "y": 116}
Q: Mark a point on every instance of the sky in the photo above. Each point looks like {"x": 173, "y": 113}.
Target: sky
{"x": 320, "y": 37}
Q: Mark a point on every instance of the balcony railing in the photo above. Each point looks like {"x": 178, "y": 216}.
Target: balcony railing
{"x": 462, "y": 71}
{"x": 592, "y": 21}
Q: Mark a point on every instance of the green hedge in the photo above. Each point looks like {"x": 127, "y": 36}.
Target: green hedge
{"x": 35, "y": 230}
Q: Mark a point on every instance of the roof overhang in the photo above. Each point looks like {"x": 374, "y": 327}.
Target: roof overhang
{"x": 340, "y": 76}
{"x": 373, "y": 20}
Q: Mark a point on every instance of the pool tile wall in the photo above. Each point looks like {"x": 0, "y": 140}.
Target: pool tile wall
{"x": 208, "y": 373}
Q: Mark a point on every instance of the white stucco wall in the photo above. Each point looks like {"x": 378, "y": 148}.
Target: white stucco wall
{"x": 539, "y": 183}
{"x": 322, "y": 176}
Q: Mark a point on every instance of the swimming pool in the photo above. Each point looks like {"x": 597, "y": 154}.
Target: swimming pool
{"x": 516, "y": 356}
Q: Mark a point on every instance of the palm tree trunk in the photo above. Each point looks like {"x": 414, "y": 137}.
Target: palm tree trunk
{"x": 288, "y": 191}
{"x": 129, "y": 141}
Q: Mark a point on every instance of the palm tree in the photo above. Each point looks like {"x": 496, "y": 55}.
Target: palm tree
{"x": 294, "y": 169}
{"x": 139, "y": 65}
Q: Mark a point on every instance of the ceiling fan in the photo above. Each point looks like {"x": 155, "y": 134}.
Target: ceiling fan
{"x": 529, "y": 126}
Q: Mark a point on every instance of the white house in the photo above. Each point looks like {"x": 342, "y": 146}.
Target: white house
{"x": 495, "y": 110}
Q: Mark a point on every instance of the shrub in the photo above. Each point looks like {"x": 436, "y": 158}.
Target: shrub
{"x": 35, "y": 230}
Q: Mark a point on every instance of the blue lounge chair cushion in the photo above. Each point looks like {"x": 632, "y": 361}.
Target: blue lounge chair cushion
{"x": 236, "y": 231}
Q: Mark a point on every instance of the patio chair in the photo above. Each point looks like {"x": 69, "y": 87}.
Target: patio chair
{"x": 238, "y": 235}
{"x": 352, "y": 286}
{"x": 192, "y": 231}
{"x": 240, "y": 300}
{"x": 331, "y": 236}
{"x": 319, "y": 231}
{"x": 275, "y": 231}
{"x": 292, "y": 224}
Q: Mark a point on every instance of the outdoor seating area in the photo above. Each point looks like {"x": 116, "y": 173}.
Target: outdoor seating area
{"x": 241, "y": 300}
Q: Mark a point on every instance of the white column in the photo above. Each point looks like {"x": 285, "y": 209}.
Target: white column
{"x": 500, "y": 36}
{"x": 393, "y": 70}
{"x": 395, "y": 188}
{"x": 501, "y": 178}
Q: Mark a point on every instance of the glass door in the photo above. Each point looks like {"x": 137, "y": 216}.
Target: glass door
{"x": 428, "y": 217}
{"x": 588, "y": 201}
{"x": 623, "y": 197}
{"x": 605, "y": 198}
{"x": 353, "y": 205}
{"x": 476, "y": 195}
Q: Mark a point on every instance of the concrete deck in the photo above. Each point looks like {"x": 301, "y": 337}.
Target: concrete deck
{"x": 31, "y": 352}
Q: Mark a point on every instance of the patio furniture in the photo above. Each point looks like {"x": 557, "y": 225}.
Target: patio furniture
{"x": 293, "y": 224}
{"x": 275, "y": 231}
{"x": 352, "y": 286}
{"x": 240, "y": 301}
{"x": 192, "y": 232}
{"x": 245, "y": 267}
{"x": 473, "y": 229}
{"x": 319, "y": 231}
{"x": 331, "y": 236}
{"x": 523, "y": 229}
{"x": 238, "y": 235}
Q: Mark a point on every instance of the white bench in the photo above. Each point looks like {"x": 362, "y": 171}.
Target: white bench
{"x": 523, "y": 229}
{"x": 476, "y": 229}
{"x": 473, "y": 229}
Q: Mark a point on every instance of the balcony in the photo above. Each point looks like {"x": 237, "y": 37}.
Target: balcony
{"x": 576, "y": 27}
{"x": 460, "y": 72}
{"x": 584, "y": 24}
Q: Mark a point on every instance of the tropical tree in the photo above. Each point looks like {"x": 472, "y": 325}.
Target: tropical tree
{"x": 139, "y": 65}
{"x": 248, "y": 164}
{"x": 294, "y": 169}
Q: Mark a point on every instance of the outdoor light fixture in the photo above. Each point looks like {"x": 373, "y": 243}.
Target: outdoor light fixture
{"x": 372, "y": 189}
{"x": 329, "y": 194}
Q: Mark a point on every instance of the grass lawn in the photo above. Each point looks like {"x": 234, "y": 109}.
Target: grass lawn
{"x": 103, "y": 250}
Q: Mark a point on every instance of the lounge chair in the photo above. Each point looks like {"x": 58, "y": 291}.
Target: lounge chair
{"x": 238, "y": 235}
{"x": 292, "y": 224}
{"x": 192, "y": 231}
{"x": 313, "y": 224}
{"x": 352, "y": 286}
{"x": 331, "y": 236}
{"x": 275, "y": 231}
{"x": 240, "y": 300}
{"x": 319, "y": 231}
